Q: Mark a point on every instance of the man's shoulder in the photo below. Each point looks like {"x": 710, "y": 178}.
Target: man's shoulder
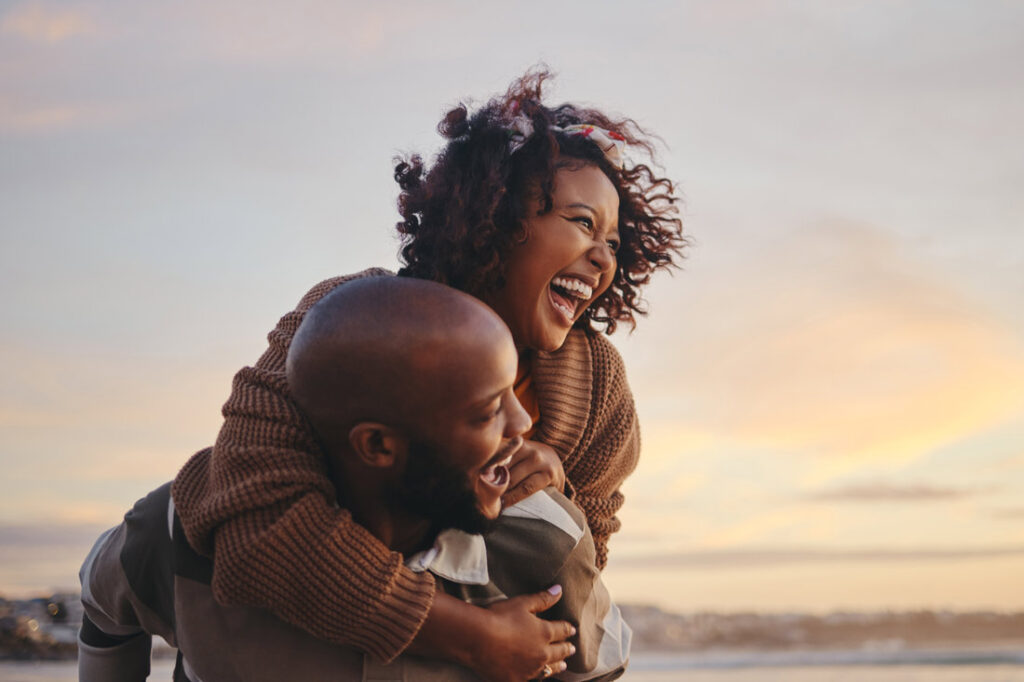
{"x": 532, "y": 540}
{"x": 552, "y": 507}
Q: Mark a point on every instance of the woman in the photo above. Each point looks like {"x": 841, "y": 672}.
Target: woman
{"x": 534, "y": 211}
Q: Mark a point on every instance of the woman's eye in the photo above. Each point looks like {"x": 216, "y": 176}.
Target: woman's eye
{"x": 613, "y": 245}
{"x": 587, "y": 223}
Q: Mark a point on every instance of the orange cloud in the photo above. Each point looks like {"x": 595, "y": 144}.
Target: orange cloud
{"x": 265, "y": 32}
{"x": 983, "y": 578}
{"x": 34, "y": 120}
{"x": 38, "y": 22}
{"x": 110, "y": 428}
{"x": 23, "y": 117}
{"x": 881, "y": 491}
{"x": 837, "y": 344}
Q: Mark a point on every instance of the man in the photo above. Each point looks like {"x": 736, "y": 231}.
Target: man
{"x": 408, "y": 386}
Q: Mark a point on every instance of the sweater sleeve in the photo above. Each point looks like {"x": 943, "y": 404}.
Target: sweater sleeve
{"x": 610, "y": 446}
{"x": 261, "y": 503}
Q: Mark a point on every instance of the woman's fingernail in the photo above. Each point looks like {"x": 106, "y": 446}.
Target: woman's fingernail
{"x": 555, "y": 589}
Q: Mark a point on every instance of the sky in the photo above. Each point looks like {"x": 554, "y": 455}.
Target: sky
{"x": 831, "y": 388}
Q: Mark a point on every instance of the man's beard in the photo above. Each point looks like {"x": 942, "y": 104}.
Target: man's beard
{"x": 432, "y": 489}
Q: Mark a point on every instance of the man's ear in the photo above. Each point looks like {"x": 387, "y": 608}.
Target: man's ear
{"x": 377, "y": 445}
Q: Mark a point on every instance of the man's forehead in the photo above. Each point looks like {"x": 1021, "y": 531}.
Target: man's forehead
{"x": 468, "y": 375}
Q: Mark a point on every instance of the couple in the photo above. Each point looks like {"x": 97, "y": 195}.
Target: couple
{"x": 386, "y": 369}
{"x": 534, "y": 211}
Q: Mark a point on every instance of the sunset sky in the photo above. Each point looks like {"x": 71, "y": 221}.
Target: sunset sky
{"x": 831, "y": 390}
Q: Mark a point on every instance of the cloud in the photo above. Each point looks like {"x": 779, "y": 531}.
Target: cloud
{"x": 833, "y": 341}
{"x": 50, "y": 390}
{"x": 757, "y": 558}
{"x": 889, "y": 492}
{"x": 265, "y": 33}
{"x": 21, "y": 536}
{"x": 86, "y": 436}
{"x": 1012, "y": 463}
{"x": 37, "y": 22}
{"x": 27, "y": 118}
{"x": 1009, "y": 513}
{"x": 41, "y": 555}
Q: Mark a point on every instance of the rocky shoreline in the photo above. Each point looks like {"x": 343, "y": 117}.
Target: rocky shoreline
{"x": 46, "y": 628}
{"x": 40, "y": 629}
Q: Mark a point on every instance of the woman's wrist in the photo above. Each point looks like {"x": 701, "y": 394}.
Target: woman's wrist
{"x": 453, "y": 631}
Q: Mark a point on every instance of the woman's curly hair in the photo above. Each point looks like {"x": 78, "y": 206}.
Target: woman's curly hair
{"x": 463, "y": 216}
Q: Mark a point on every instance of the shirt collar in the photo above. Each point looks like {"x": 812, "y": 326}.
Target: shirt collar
{"x": 457, "y": 556}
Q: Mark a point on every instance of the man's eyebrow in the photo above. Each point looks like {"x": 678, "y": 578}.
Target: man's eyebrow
{"x": 491, "y": 398}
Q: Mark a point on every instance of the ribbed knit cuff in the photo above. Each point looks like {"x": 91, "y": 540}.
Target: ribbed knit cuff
{"x": 393, "y": 627}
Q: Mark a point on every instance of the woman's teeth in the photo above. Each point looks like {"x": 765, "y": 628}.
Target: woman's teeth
{"x": 573, "y": 287}
{"x": 563, "y": 307}
{"x": 568, "y": 294}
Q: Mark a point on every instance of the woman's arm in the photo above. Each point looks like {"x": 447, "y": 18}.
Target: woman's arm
{"x": 262, "y": 505}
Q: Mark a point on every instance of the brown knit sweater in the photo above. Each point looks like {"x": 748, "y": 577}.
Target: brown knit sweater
{"x": 261, "y": 503}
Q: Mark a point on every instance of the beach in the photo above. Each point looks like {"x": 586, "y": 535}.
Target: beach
{"x": 668, "y": 668}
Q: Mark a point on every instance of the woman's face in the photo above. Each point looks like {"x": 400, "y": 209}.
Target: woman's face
{"x": 566, "y": 262}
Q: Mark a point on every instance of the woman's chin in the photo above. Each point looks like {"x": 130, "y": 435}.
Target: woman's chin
{"x": 551, "y": 337}
{"x": 548, "y": 345}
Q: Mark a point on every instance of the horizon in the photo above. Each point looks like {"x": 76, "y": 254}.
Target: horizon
{"x": 830, "y": 390}
{"x": 35, "y": 595}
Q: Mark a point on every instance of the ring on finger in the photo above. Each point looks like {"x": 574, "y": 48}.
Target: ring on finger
{"x": 546, "y": 671}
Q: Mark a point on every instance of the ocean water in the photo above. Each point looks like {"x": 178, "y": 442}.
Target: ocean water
{"x": 673, "y": 668}
{"x": 850, "y": 673}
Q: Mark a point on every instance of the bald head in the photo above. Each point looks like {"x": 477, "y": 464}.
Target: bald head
{"x": 388, "y": 350}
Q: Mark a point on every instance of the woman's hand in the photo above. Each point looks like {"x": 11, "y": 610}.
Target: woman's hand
{"x": 534, "y": 467}
{"x": 505, "y": 642}
{"x": 521, "y": 646}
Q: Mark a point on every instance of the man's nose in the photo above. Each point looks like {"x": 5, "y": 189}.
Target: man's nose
{"x": 519, "y": 421}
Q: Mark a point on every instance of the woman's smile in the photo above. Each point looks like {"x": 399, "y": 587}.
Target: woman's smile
{"x": 570, "y": 296}
{"x": 566, "y": 262}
